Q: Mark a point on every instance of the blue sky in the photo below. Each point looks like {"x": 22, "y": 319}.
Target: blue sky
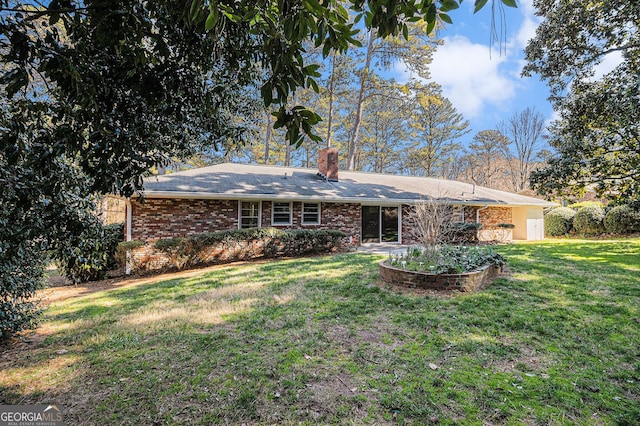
{"x": 482, "y": 80}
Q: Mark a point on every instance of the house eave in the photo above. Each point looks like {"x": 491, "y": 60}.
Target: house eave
{"x": 326, "y": 199}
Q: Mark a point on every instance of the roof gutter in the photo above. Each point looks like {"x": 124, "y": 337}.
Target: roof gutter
{"x": 486, "y": 206}
{"x": 478, "y": 220}
{"x": 327, "y": 199}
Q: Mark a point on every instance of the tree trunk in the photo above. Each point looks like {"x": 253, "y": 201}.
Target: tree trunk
{"x": 267, "y": 139}
{"x": 364, "y": 80}
{"x": 287, "y": 154}
{"x": 332, "y": 88}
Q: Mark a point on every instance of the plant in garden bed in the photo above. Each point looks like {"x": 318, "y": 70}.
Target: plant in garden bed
{"x": 435, "y": 225}
{"x": 435, "y": 228}
{"x": 446, "y": 259}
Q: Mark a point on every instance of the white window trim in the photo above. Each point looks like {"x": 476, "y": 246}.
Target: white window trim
{"x": 273, "y": 211}
{"x": 240, "y": 212}
{"x": 319, "y": 214}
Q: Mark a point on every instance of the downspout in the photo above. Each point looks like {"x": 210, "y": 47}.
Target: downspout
{"x": 478, "y": 219}
{"x": 127, "y": 268}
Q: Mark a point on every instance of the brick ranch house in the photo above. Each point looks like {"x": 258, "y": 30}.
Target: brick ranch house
{"x": 367, "y": 207}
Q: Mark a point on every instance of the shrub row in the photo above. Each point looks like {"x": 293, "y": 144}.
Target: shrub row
{"x": 622, "y": 220}
{"x": 559, "y": 221}
{"x": 228, "y": 246}
{"x": 591, "y": 219}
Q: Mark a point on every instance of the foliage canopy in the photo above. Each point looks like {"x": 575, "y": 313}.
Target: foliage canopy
{"x": 597, "y": 137}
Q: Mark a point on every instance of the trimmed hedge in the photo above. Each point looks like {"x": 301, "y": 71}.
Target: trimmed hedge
{"x": 622, "y": 220}
{"x": 123, "y": 248}
{"x": 589, "y": 220}
{"x": 229, "y": 246}
{"x": 506, "y": 225}
{"x": 303, "y": 241}
{"x": 464, "y": 232}
{"x": 559, "y": 221}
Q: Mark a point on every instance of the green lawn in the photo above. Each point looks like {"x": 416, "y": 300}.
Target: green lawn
{"x": 321, "y": 340}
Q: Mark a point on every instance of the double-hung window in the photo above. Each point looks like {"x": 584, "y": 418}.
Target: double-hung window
{"x": 249, "y": 214}
{"x": 311, "y": 213}
{"x": 281, "y": 214}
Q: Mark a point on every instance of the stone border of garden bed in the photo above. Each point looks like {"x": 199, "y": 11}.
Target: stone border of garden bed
{"x": 466, "y": 282}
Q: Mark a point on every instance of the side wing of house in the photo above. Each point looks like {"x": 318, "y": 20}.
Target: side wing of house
{"x": 529, "y": 223}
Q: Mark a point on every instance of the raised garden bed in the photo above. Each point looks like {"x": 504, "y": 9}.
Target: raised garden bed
{"x": 464, "y": 282}
{"x": 443, "y": 267}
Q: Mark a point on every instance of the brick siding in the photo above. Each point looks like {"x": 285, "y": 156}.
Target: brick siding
{"x": 490, "y": 218}
{"x": 409, "y": 236}
{"x": 166, "y": 218}
{"x": 493, "y": 216}
{"x": 469, "y": 214}
{"x": 343, "y": 217}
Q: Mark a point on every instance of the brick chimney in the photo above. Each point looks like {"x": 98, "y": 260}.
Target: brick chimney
{"x": 328, "y": 164}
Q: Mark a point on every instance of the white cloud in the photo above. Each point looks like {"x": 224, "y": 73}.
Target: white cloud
{"x": 555, "y": 116}
{"x": 608, "y": 64}
{"x": 470, "y": 76}
{"x": 530, "y": 23}
{"x": 484, "y": 82}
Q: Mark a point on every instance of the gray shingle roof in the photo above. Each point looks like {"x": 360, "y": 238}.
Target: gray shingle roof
{"x": 241, "y": 181}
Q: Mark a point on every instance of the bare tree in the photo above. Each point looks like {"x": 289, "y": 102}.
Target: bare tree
{"x": 432, "y": 218}
{"x": 525, "y": 131}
